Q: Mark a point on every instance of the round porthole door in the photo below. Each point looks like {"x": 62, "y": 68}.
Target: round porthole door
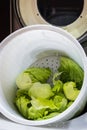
{"x": 69, "y": 15}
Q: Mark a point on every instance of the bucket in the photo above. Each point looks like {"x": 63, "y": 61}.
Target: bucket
{"x": 24, "y": 47}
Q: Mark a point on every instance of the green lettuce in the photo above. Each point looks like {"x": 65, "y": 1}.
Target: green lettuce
{"x": 39, "y": 90}
{"x": 32, "y": 75}
{"x": 37, "y": 99}
{"x": 70, "y": 90}
{"x": 22, "y": 103}
{"x": 71, "y": 71}
{"x": 40, "y": 74}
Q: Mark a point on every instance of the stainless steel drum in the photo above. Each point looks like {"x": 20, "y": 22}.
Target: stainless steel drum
{"x": 69, "y": 15}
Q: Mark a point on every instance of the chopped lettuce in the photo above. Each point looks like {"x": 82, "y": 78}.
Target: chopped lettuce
{"x": 69, "y": 104}
{"x": 39, "y": 90}
{"x": 23, "y": 80}
{"x": 57, "y": 84}
{"x": 37, "y": 99}
{"x": 43, "y": 103}
{"x": 56, "y": 78}
{"x": 50, "y": 115}
{"x": 71, "y": 71}
{"x": 32, "y": 75}
{"x": 21, "y": 92}
{"x": 35, "y": 114}
{"x": 58, "y": 87}
{"x": 61, "y": 102}
{"x": 42, "y": 109}
{"x": 70, "y": 90}
{"x": 41, "y": 74}
{"x": 22, "y": 104}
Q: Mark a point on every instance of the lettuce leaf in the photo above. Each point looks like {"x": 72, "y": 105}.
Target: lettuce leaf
{"x": 71, "y": 71}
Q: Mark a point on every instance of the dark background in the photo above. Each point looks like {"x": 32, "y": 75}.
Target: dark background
{"x": 4, "y": 18}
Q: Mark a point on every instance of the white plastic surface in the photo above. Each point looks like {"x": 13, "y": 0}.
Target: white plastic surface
{"x": 24, "y": 47}
{"x": 79, "y": 123}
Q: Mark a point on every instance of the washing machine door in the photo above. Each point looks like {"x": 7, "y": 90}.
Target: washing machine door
{"x": 69, "y": 15}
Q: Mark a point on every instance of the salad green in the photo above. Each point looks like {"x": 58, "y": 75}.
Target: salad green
{"x": 32, "y": 75}
{"x": 70, "y": 90}
{"x": 71, "y": 71}
{"x": 37, "y": 99}
{"x": 43, "y": 89}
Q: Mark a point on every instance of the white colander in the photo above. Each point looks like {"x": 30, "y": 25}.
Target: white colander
{"x": 37, "y": 45}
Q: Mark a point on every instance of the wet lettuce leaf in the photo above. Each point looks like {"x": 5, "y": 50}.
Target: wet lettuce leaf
{"x": 32, "y": 75}
{"x": 40, "y": 74}
{"x": 39, "y": 90}
{"x": 71, "y": 71}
